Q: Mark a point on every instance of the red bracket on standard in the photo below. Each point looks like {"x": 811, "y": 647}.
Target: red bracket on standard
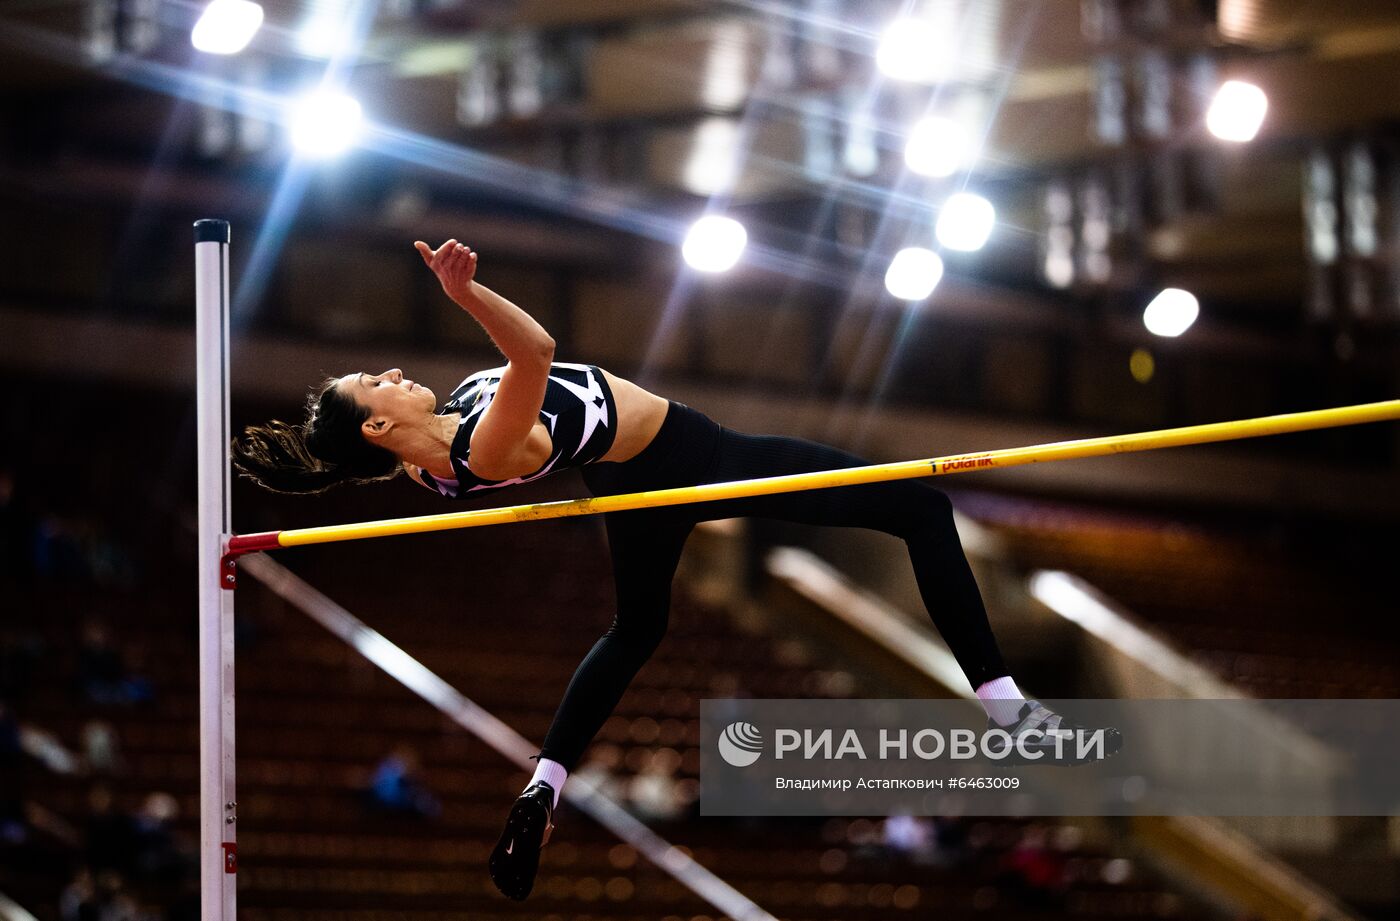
{"x": 239, "y": 544}
{"x": 230, "y": 857}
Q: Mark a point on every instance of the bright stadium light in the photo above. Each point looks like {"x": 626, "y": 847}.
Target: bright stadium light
{"x": 226, "y": 26}
{"x": 725, "y": 83}
{"x": 326, "y": 32}
{"x": 713, "y": 165}
{"x": 714, "y": 243}
{"x": 965, "y": 222}
{"x": 936, "y": 147}
{"x": 1237, "y": 111}
{"x": 1171, "y": 313}
{"x": 324, "y": 124}
{"x": 913, "y": 273}
{"x": 917, "y": 49}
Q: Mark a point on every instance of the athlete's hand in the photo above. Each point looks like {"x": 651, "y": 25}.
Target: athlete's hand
{"x": 453, "y": 263}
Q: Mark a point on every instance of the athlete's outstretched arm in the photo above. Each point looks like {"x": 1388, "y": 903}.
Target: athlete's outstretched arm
{"x": 514, "y": 331}
{"x": 505, "y": 442}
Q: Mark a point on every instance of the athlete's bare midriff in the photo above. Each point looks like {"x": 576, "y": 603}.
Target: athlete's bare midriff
{"x": 639, "y": 416}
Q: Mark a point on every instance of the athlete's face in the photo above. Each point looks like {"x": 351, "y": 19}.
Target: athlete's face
{"x": 391, "y": 398}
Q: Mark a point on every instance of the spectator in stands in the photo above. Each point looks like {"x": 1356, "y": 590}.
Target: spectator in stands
{"x": 1032, "y": 871}
{"x": 73, "y": 547}
{"x": 78, "y": 902}
{"x": 57, "y": 550}
{"x": 104, "y": 899}
{"x": 158, "y": 855}
{"x": 935, "y": 841}
{"x": 106, "y": 559}
{"x": 908, "y": 835}
{"x": 102, "y": 751}
{"x": 46, "y": 748}
{"x": 102, "y": 672}
{"x": 397, "y": 786}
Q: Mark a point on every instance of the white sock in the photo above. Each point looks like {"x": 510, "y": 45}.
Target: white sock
{"x": 552, "y": 773}
{"x": 1001, "y": 699}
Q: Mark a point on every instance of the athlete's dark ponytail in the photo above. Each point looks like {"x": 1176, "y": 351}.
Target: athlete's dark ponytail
{"x": 324, "y": 451}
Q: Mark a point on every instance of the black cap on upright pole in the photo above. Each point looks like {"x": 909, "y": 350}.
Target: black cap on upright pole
{"x": 211, "y": 230}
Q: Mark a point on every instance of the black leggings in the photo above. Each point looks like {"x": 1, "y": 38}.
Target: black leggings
{"x": 646, "y": 544}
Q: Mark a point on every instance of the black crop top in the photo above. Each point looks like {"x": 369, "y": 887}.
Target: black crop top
{"x": 578, "y": 410}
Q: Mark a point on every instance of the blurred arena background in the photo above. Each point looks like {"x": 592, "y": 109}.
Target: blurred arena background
{"x": 965, "y": 225}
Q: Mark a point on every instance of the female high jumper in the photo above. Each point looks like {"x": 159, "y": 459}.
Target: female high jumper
{"x": 535, "y": 416}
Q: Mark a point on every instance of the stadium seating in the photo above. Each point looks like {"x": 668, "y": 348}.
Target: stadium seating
{"x": 314, "y": 718}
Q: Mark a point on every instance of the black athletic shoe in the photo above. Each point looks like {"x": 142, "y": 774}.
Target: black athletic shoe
{"x": 516, "y": 857}
{"x": 1034, "y": 716}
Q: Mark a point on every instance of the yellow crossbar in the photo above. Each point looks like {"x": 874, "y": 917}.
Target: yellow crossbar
{"x": 937, "y": 466}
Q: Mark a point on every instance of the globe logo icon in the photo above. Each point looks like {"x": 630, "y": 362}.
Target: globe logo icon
{"x": 740, "y": 744}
